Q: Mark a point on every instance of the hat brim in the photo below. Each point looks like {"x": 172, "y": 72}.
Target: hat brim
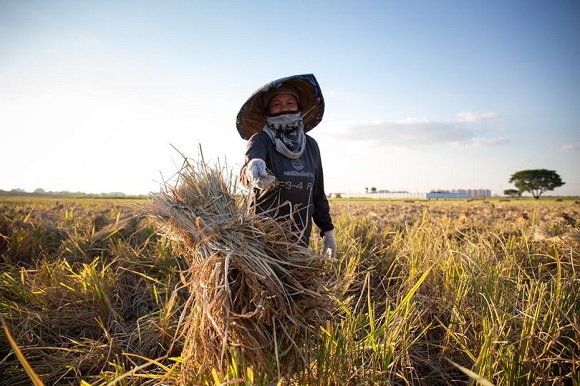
{"x": 252, "y": 116}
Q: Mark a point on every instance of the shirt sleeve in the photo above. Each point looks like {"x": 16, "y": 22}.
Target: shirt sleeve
{"x": 257, "y": 147}
{"x": 321, "y": 215}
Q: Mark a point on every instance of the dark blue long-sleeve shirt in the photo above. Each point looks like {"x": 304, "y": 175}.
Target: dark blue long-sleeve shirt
{"x": 300, "y": 188}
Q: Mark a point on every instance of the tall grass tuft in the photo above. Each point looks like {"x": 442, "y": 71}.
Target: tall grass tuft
{"x": 426, "y": 293}
{"x": 89, "y": 299}
{"x": 255, "y": 294}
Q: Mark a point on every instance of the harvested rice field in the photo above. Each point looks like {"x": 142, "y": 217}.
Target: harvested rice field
{"x": 187, "y": 289}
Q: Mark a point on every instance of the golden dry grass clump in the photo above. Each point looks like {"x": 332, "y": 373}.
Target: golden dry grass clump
{"x": 254, "y": 294}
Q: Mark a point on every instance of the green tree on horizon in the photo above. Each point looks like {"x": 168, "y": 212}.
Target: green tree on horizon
{"x": 536, "y": 181}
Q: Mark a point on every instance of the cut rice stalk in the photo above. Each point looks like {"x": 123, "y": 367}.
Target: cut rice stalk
{"x": 255, "y": 293}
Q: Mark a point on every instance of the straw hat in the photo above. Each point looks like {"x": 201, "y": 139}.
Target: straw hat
{"x": 252, "y": 116}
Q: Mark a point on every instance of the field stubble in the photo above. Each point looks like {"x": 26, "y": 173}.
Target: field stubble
{"x": 432, "y": 292}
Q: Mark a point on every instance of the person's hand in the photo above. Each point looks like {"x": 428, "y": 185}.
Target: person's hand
{"x": 256, "y": 174}
{"x": 329, "y": 244}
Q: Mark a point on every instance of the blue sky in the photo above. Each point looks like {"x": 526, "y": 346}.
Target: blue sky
{"x": 420, "y": 95}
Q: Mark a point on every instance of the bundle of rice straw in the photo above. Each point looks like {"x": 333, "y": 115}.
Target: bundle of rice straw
{"x": 253, "y": 293}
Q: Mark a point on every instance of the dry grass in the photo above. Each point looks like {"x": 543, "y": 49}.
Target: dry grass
{"x": 498, "y": 300}
{"x": 255, "y": 294}
{"x": 429, "y": 292}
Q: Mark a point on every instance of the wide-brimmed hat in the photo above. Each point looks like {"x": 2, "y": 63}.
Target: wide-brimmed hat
{"x": 252, "y": 116}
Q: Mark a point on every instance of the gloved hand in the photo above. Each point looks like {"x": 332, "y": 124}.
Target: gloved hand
{"x": 329, "y": 244}
{"x": 256, "y": 174}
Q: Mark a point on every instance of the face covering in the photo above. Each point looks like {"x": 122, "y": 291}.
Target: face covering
{"x": 284, "y": 121}
{"x": 287, "y": 132}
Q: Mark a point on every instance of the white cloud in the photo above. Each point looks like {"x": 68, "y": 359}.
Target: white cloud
{"x": 571, "y": 147}
{"x": 413, "y": 120}
{"x": 481, "y": 142}
{"x": 469, "y": 116}
{"x": 413, "y": 133}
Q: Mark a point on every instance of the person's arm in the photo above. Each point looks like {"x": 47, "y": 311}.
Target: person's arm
{"x": 321, "y": 215}
{"x": 256, "y": 150}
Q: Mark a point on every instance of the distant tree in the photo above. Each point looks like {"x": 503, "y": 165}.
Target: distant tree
{"x": 536, "y": 181}
{"x": 373, "y": 190}
{"x": 366, "y": 190}
{"x": 511, "y": 192}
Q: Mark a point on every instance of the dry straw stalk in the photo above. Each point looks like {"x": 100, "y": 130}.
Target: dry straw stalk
{"x": 254, "y": 293}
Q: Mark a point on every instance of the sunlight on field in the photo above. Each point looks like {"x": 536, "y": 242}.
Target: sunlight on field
{"x": 431, "y": 292}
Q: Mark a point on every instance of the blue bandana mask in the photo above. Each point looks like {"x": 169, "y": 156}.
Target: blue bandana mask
{"x": 287, "y": 132}
{"x": 285, "y": 121}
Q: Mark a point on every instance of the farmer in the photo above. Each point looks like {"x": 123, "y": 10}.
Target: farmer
{"x": 282, "y": 165}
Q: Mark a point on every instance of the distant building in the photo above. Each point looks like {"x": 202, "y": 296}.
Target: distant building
{"x": 459, "y": 193}
{"x": 381, "y": 195}
{"x": 473, "y": 192}
{"x": 442, "y": 193}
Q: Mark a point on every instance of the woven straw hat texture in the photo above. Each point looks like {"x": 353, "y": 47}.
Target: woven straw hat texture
{"x": 252, "y": 116}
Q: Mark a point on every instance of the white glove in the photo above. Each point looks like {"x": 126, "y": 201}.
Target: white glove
{"x": 329, "y": 244}
{"x": 256, "y": 174}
